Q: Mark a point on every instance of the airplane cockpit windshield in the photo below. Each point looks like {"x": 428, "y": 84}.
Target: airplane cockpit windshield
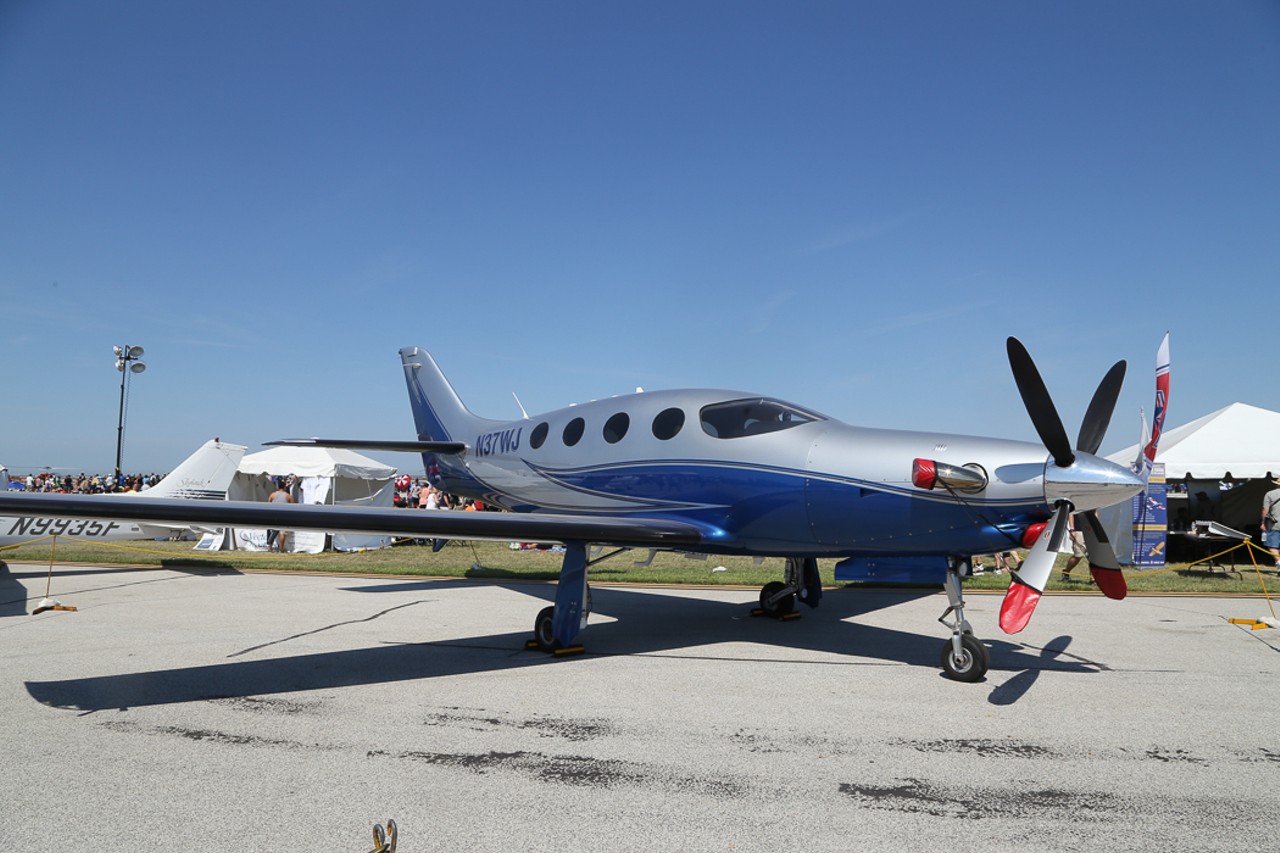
{"x": 754, "y": 416}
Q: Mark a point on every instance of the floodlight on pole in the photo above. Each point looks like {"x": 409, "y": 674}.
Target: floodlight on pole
{"x": 127, "y": 363}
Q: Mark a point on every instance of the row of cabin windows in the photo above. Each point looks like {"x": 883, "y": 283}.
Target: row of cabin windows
{"x": 733, "y": 419}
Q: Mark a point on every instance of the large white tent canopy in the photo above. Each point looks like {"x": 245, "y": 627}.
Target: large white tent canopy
{"x": 325, "y": 475}
{"x": 315, "y": 462}
{"x": 1240, "y": 440}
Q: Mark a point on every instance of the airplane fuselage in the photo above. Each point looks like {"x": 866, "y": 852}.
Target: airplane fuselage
{"x": 758, "y": 475}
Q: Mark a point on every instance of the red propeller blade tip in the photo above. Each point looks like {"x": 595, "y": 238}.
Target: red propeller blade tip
{"x": 1019, "y": 603}
{"x": 1110, "y": 581}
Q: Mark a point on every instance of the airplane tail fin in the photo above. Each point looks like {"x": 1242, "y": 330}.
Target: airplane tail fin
{"x": 438, "y": 413}
{"x": 204, "y": 475}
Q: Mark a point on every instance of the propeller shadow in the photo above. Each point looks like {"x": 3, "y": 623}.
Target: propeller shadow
{"x": 1052, "y": 657}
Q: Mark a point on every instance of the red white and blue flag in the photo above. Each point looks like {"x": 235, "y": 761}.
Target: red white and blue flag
{"x": 1142, "y": 465}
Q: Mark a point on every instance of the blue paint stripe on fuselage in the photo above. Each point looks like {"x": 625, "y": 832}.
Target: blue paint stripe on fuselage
{"x": 771, "y": 510}
{"x": 697, "y": 476}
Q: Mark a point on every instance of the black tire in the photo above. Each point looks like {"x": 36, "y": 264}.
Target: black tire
{"x": 544, "y": 629}
{"x": 779, "y": 608}
{"x": 973, "y": 662}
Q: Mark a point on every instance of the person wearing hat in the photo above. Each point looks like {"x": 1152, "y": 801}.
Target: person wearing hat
{"x": 1271, "y": 521}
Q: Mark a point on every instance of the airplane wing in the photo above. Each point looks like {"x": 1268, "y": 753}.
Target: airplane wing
{"x": 502, "y": 526}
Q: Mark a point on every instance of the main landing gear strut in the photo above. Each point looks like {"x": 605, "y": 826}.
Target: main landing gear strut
{"x": 964, "y": 657}
{"x": 800, "y": 581}
{"x": 556, "y": 628}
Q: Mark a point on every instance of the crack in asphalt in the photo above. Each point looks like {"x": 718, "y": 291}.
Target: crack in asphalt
{"x": 377, "y": 615}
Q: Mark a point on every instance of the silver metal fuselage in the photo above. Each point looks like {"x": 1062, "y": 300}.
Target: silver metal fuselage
{"x": 817, "y": 487}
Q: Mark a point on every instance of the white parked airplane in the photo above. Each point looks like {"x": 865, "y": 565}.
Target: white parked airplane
{"x": 727, "y": 472}
{"x": 203, "y": 476}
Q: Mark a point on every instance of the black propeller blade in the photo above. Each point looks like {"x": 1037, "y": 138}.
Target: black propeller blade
{"x": 1035, "y": 396}
{"x": 1021, "y": 598}
{"x": 1098, "y": 416}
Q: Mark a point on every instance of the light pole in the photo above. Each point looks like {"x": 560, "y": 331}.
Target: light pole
{"x": 126, "y": 362}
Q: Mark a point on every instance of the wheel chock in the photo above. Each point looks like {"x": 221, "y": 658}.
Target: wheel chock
{"x": 785, "y": 617}
{"x": 534, "y": 645}
{"x": 1256, "y": 624}
{"x": 51, "y": 604}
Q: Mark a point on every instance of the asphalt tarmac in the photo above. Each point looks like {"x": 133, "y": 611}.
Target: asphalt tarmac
{"x": 232, "y": 712}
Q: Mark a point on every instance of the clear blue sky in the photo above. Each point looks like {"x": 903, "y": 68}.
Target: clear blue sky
{"x": 849, "y": 205}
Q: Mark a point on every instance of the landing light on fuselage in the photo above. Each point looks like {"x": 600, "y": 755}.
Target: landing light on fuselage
{"x": 931, "y": 474}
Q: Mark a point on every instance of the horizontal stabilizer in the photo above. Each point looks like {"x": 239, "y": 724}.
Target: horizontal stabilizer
{"x": 357, "y": 444}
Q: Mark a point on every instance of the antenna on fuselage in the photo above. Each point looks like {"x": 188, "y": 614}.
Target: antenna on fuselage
{"x": 523, "y": 413}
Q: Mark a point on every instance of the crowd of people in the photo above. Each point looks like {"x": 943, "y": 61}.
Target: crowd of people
{"x": 420, "y": 494}
{"x": 86, "y": 484}
{"x": 410, "y": 492}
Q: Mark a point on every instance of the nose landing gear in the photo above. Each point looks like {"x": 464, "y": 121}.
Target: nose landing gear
{"x": 964, "y": 657}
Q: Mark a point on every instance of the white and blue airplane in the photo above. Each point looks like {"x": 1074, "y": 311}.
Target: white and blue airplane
{"x": 727, "y": 472}
{"x": 205, "y": 475}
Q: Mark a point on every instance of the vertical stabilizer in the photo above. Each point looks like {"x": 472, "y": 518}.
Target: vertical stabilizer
{"x": 204, "y": 475}
{"x": 438, "y": 412}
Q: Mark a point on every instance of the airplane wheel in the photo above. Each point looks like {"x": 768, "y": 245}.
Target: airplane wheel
{"x": 544, "y": 629}
{"x": 778, "y": 608}
{"x": 972, "y": 663}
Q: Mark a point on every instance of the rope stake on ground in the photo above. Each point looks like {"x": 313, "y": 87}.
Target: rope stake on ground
{"x": 48, "y": 603}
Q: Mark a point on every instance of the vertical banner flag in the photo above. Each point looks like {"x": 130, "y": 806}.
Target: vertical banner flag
{"x": 1150, "y": 508}
{"x": 1142, "y": 466}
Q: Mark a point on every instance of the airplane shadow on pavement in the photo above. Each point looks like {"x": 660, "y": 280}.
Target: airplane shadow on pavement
{"x": 647, "y": 623}
{"x": 13, "y": 595}
{"x": 16, "y": 599}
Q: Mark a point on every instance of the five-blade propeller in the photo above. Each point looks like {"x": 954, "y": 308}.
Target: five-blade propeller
{"x": 1025, "y": 590}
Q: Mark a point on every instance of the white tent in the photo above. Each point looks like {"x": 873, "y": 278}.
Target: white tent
{"x": 1240, "y": 440}
{"x": 324, "y": 476}
{"x": 1237, "y": 443}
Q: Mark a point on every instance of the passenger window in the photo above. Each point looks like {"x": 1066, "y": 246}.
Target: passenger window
{"x": 756, "y": 416}
{"x": 573, "y": 431}
{"x": 539, "y": 435}
{"x": 668, "y": 423}
{"x": 616, "y": 427}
